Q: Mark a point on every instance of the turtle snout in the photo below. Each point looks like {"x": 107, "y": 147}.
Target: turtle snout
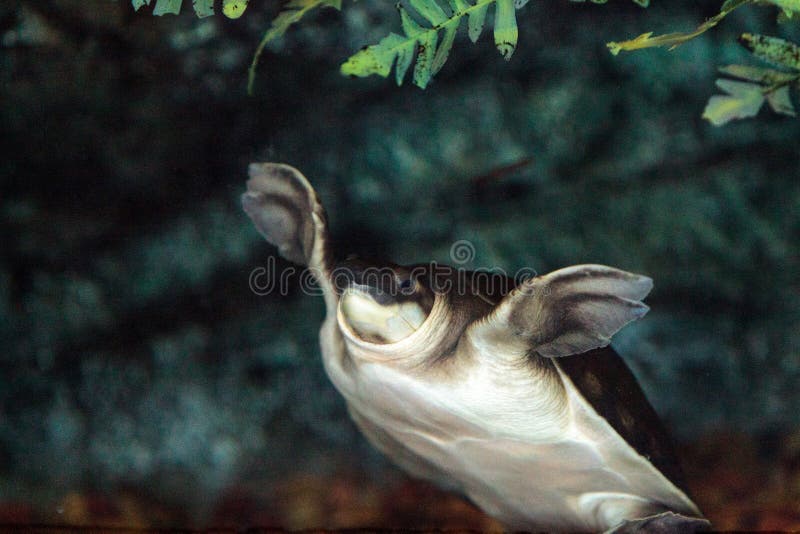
{"x": 378, "y": 295}
{"x": 377, "y": 282}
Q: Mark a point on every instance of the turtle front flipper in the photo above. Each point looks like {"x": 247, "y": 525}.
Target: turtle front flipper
{"x": 568, "y": 311}
{"x": 286, "y": 211}
{"x": 664, "y": 523}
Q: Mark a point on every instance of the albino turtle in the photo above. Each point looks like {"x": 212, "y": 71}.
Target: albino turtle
{"x": 509, "y": 395}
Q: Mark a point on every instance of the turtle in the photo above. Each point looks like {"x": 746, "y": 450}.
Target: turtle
{"x": 505, "y": 391}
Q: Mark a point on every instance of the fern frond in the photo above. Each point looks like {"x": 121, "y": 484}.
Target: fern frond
{"x": 431, "y": 53}
{"x": 292, "y": 12}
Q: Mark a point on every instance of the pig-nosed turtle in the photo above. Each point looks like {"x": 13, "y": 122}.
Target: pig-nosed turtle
{"x": 509, "y": 395}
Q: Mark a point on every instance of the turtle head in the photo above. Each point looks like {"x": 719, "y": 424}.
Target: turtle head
{"x": 382, "y": 304}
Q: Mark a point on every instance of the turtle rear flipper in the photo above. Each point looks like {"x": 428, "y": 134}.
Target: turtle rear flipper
{"x": 664, "y": 523}
{"x": 285, "y": 210}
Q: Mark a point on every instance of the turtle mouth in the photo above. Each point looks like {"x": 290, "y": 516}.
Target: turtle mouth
{"x": 375, "y": 317}
{"x": 419, "y": 347}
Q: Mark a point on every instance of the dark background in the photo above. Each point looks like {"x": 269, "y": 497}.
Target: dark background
{"x": 143, "y": 384}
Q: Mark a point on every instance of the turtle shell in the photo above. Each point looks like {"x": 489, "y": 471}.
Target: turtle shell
{"x": 607, "y": 383}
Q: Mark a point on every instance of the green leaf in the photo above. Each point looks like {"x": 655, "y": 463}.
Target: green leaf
{"x": 292, "y": 12}
{"x": 772, "y": 50}
{"x": 780, "y": 102}
{"x": 233, "y": 9}
{"x": 760, "y": 75}
{"x": 432, "y": 12}
{"x": 505, "y": 28}
{"x": 423, "y": 40}
{"x": 203, "y": 8}
{"x": 423, "y": 70}
{"x": 172, "y": 7}
{"x": 139, "y": 3}
{"x": 443, "y": 51}
{"x": 744, "y": 99}
{"x": 477, "y": 16}
{"x": 405, "y": 55}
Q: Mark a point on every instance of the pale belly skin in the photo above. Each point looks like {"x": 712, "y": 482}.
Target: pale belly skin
{"x": 531, "y": 453}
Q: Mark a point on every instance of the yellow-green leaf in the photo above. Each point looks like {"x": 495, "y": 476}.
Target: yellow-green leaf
{"x": 505, "y": 28}
{"x": 672, "y": 40}
{"x": 744, "y": 99}
{"x": 761, "y": 75}
{"x": 233, "y": 9}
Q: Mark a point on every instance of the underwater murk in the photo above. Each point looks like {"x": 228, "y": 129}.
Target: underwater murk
{"x": 584, "y": 218}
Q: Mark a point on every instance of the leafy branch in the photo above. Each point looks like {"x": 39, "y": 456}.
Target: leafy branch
{"x": 379, "y": 58}
{"x": 422, "y": 22}
{"x": 673, "y": 40}
{"x": 430, "y": 26}
{"x": 745, "y": 98}
{"x": 755, "y": 85}
{"x": 423, "y": 39}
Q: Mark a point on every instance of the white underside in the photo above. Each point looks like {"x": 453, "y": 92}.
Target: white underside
{"x": 525, "y": 449}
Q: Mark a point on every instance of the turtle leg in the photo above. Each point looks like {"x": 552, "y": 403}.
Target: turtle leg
{"x": 663, "y": 523}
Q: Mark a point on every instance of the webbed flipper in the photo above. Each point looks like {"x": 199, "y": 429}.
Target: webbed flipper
{"x": 285, "y": 209}
{"x": 568, "y": 311}
{"x": 665, "y": 523}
